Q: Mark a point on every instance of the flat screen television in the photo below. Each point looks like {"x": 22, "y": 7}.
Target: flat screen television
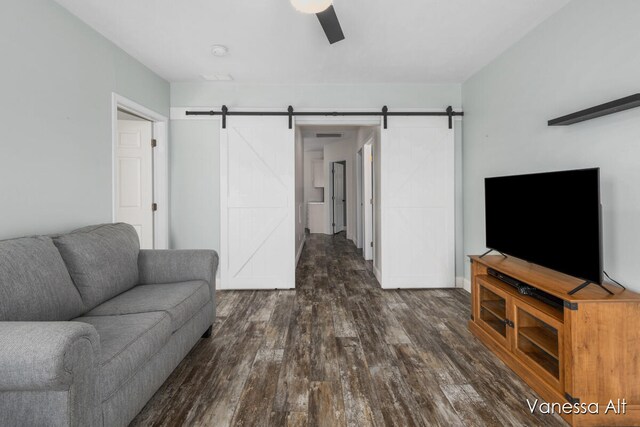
{"x": 551, "y": 219}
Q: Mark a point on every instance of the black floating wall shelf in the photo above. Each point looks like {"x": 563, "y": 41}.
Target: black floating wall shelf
{"x": 598, "y": 111}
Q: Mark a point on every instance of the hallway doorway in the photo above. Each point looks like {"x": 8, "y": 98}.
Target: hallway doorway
{"x": 365, "y": 204}
{"x": 140, "y": 177}
{"x": 339, "y": 196}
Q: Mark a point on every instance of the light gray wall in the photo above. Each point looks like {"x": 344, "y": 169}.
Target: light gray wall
{"x": 584, "y": 55}
{"x": 315, "y": 96}
{"x": 194, "y": 164}
{"x": 208, "y": 94}
{"x": 56, "y": 80}
{"x": 311, "y": 193}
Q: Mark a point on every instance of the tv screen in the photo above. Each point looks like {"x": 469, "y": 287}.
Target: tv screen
{"x": 550, "y": 219}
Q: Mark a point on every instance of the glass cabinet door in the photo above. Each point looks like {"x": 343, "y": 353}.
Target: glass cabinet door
{"x": 538, "y": 342}
{"x": 493, "y": 312}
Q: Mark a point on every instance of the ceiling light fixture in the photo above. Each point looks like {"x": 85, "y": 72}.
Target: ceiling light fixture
{"x": 219, "y": 50}
{"x": 311, "y": 6}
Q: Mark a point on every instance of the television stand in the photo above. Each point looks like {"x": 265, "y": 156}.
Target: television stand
{"x": 582, "y": 350}
{"x": 587, "y": 283}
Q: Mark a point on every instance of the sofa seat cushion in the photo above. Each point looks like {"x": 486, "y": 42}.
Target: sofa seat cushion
{"x": 180, "y": 300}
{"x": 102, "y": 260}
{"x": 34, "y": 282}
{"x": 127, "y": 342}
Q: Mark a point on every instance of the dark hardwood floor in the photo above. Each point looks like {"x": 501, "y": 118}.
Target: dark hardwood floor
{"x": 341, "y": 351}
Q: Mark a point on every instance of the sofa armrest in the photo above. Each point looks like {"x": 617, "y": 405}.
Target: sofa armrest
{"x": 167, "y": 266}
{"x": 60, "y": 362}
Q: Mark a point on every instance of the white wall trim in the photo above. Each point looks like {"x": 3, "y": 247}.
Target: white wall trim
{"x": 368, "y": 212}
{"x": 160, "y": 164}
{"x": 464, "y": 283}
{"x": 377, "y": 274}
{"x": 359, "y": 237}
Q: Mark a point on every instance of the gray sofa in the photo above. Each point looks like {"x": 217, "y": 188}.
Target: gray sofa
{"x": 91, "y": 326}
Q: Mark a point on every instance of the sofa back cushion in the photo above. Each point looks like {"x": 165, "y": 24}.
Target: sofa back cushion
{"x": 34, "y": 282}
{"x": 102, "y": 260}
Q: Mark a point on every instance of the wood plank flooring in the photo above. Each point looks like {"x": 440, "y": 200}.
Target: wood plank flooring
{"x": 340, "y": 351}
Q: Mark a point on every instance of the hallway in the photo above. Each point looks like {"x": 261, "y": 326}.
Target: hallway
{"x": 341, "y": 351}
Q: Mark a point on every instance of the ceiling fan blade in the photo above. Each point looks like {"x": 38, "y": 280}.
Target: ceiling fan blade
{"x": 330, "y": 24}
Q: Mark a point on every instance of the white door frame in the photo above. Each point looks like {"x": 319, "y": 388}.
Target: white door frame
{"x": 160, "y": 164}
{"x": 343, "y": 163}
{"x": 359, "y": 199}
{"x": 368, "y": 223}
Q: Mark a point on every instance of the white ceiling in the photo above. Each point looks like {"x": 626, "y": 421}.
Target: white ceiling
{"x": 399, "y": 41}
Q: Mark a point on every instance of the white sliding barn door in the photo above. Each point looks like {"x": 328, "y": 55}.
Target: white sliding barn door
{"x": 134, "y": 178}
{"x": 417, "y": 197}
{"x": 257, "y": 195}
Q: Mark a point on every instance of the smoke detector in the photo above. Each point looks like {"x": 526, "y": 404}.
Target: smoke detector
{"x": 219, "y": 50}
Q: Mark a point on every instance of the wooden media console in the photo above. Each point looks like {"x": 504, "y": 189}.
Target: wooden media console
{"x": 579, "y": 349}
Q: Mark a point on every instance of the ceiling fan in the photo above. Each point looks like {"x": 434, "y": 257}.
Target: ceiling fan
{"x": 326, "y": 14}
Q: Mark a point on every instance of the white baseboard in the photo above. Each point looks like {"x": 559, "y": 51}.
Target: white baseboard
{"x": 378, "y": 275}
{"x": 304, "y": 240}
{"x": 222, "y": 287}
{"x": 464, "y": 283}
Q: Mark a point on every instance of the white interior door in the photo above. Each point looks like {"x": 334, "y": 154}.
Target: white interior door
{"x": 339, "y": 200}
{"x": 134, "y": 178}
{"x": 417, "y": 197}
{"x": 257, "y": 161}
